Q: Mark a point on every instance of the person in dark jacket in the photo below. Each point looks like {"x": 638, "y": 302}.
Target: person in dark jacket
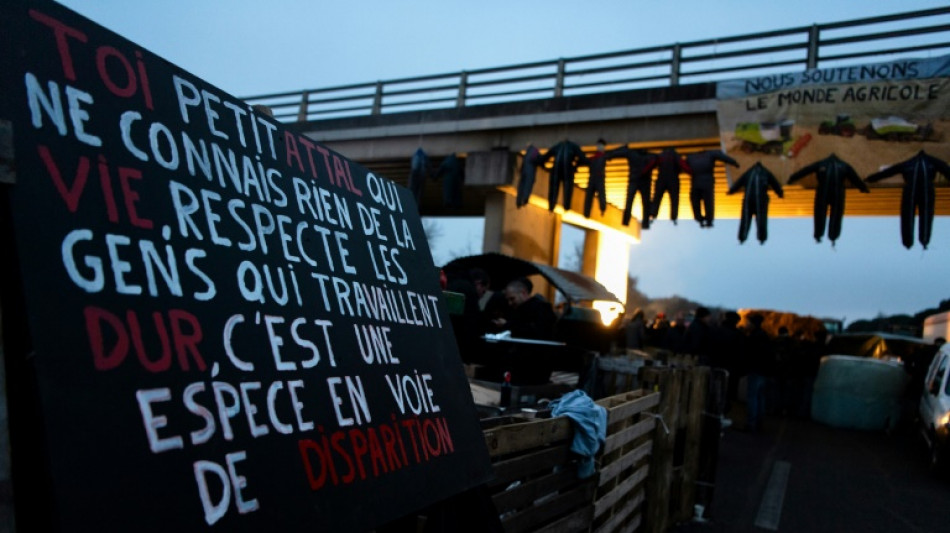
{"x": 597, "y": 163}
{"x": 418, "y": 173}
{"x": 529, "y": 316}
{"x": 452, "y": 174}
{"x": 918, "y": 196}
{"x": 728, "y": 347}
{"x": 760, "y": 364}
{"x": 702, "y": 187}
{"x": 756, "y": 182}
{"x": 669, "y": 165}
{"x": 640, "y": 165}
{"x": 529, "y": 170}
{"x": 635, "y": 331}
{"x": 699, "y": 341}
{"x": 830, "y": 192}
{"x": 567, "y": 157}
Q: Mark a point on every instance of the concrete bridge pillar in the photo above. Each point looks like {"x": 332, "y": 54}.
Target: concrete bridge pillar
{"x": 533, "y": 232}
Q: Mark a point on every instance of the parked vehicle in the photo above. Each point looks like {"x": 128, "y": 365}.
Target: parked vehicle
{"x": 579, "y": 330}
{"x": 934, "y": 409}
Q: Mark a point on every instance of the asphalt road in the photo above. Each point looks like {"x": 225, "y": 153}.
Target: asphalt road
{"x": 800, "y": 476}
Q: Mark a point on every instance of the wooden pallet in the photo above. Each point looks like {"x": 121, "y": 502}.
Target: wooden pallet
{"x": 536, "y": 486}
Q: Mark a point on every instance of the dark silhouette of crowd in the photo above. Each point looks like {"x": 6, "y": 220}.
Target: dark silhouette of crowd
{"x": 779, "y": 369}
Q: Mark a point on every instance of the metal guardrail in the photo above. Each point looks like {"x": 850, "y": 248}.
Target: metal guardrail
{"x": 817, "y": 46}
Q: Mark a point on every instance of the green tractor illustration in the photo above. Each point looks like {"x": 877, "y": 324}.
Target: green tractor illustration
{"x": 897, "y": 129}
{"x": 842, "y": 125}
{"x": 773, "y": 138}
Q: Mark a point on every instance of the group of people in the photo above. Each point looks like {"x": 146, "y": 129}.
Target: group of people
{"x": 516, "y": 308}
{"x": 780, "y": 370}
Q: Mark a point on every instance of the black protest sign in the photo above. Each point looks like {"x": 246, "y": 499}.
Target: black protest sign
{"x": 234, "y": 327}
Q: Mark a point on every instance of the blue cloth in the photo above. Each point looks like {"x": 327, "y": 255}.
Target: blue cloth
{"x": 590, "y": 427}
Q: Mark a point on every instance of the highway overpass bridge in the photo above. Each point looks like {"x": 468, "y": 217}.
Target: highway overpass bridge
{"x": 649, "y": 98}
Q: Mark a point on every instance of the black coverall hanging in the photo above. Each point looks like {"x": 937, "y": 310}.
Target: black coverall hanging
{"x": 597, "y": 163}
{"x": 640, "y": 165}
{"x": 830, "y": 192}
{"x": 919, "y": 173}
{"x": 567, "y": 157}
{"x": 418, "y": 173}
{"x": 756, "y": 182}
{"x": 452, "y": 174}
{"x": 529, "y": 169}
{"x": 702, "y": 191}
{"x": 669, "y": 165}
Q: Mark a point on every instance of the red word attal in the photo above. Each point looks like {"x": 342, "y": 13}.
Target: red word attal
{"x": 337, "y": 168}
{"x": 346, "y": 456}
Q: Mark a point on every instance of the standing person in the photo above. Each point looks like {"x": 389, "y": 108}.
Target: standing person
{"x": 728, "y": 347}
{"x": 785, "y": 348}
{"x": 658, "y": 329}
{"x": 698, "y": 339}
{"x": 636, "y": 331}
{"x": 759, "y": 362}
{"x": 529, "y": 315}
{"x": 491, "y": 304}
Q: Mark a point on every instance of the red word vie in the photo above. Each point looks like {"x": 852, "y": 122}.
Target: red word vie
{"x": 72, "y": 192}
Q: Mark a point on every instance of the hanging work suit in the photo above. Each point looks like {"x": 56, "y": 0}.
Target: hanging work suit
{"x": 418, "y": 173}
{"x": 567, "y": 157}
{"x": 830, "y": 192}
{"x": 669, "y": 165}
{"x": 529, "y": 170}
{"x": 452, "y": 174}
{"x": 756, "y": 182}
{"x": 597, "y": 163}
{"x": 702, "y": 188}
{"x": 919, "y": 173}
{"x": 640, "y": 165}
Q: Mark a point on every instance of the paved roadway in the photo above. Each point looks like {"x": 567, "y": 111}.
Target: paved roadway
{"x": 801, "y": 476}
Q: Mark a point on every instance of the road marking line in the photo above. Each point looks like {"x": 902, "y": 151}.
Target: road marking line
{"x": 770, "y": 510}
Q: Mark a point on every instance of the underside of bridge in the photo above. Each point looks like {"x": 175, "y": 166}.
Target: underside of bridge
{"x": 492, "y": 138}
{"x": 683, "y": 117}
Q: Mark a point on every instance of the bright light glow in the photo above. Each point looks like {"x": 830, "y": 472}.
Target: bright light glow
{"x": 577, "y": 219}
{"x": 944, "y": 420}
{"x": 613, "y": 267}
{"x": 609, "y": 311}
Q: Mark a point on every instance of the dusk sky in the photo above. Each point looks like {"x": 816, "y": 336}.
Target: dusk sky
{"x": 249, "y": 48}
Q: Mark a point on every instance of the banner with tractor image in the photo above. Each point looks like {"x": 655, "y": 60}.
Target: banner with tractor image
{"x": 871, "y": 116}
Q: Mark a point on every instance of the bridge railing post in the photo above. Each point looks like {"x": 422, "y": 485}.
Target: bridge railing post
{"x": 812, "y": 60}
{"x": 378, "y": 99}
{"x": 559, "y": 80}
{"x": 304, "y": 107}
{"x": 463, "y": 88}
{"x": 675, "y": 64}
